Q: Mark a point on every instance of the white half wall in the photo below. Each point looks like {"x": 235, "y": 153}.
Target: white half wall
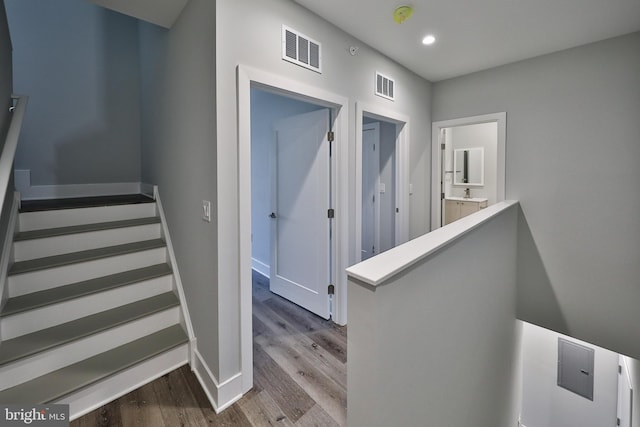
{"x": 437, "y": 343}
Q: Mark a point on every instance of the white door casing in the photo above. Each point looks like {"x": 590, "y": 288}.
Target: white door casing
{"x": 625, "y": 394}
{"x": 300, "y": 228}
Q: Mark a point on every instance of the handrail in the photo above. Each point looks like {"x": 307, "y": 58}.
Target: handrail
{"x": 10, "y": 144}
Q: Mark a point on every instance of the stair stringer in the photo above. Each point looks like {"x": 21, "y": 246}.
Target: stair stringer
{"x": 185, "y": 317}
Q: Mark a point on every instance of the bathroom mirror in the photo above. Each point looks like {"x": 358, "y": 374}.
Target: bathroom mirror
{"x": 468, "y": 165}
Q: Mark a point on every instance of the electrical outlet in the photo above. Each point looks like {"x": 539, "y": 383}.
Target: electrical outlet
{"x": 206, "y": 210}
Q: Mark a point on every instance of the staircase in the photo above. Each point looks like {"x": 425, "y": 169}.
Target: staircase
{"x": 92, "y": 310}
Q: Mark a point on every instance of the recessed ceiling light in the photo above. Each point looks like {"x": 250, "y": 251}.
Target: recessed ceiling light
{"x": 428, "y": 40}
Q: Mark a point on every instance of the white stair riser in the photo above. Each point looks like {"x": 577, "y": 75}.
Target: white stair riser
{"x": 56, "y": 358}
{"x": 96, "y": 395}
{"x": 66, "y": 311}
{"x": 40, "y": 248}
{"x": 34, "y": 281}
{"x": 67, "y": 217}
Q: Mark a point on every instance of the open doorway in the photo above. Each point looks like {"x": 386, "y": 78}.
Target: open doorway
{"x": 291, "y": 175}
{"x": 468, "y": 166}
{"x": 251, "y": 78}
{"x": 382, "y": 188}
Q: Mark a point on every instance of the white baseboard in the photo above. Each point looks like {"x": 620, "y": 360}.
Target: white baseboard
{"x": 43, "y": 192}
{"x": 221, "y": 395}
{"x": 261, "y": 267}
{"x": 7, "y": 253}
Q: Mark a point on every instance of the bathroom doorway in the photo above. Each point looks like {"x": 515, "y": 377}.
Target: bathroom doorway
{"x": 468, "y": 156}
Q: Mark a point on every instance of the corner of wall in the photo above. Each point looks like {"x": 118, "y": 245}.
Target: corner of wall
{"x": 221, "y": 394}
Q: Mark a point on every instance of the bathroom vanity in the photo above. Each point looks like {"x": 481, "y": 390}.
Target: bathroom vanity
{"x": 459, "y": 207}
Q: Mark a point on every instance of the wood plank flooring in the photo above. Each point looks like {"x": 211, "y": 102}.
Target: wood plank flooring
{"x": 300, "y": 378}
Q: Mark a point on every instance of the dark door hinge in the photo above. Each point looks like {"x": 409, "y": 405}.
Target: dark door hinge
{"x": 331, "y": 290}
{"x": 441, "y": 196}
{"x": 443, "y": 146}
{"x": 330, "y": 136}
{"x": 331, "y": 213}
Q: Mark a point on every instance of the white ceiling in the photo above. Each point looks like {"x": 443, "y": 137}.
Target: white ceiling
{"x": 473, "y": 35}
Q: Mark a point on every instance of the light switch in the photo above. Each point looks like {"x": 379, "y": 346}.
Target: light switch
{"x": 206, "y": 210}
{"x": 410, "y": 189}
{"x": 382, "y": 188}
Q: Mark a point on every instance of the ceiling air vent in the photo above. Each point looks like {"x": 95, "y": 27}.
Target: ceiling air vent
{"x": 385, "y": 87}
{"x": 300, "y": 49}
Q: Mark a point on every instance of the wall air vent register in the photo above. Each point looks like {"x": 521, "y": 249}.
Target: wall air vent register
{"x": 301, "y": 50}
{"x": 385, "y": 86}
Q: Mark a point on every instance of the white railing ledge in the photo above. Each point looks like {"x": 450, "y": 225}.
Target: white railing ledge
{"x": 378, "y": 270}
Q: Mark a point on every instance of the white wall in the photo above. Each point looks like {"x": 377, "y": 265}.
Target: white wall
{"x": 438, "y": 343}
{"x": 266, "y": 109}
{"x": 545, "y": 404}
{"x": 255, "y": 40}
{"x": 572, "y": 161}
{"x": 484, "y": 135}
{"x": 79, "y": 64}
{"x": 634, "y": 371}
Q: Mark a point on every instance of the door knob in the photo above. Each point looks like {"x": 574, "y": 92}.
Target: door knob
{"x": 273, "y": 215}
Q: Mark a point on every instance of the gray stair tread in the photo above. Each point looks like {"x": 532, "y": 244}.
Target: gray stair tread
{"x": 64, "y": 293}
{"x": 76, "y": 229}
{"x": 57, "y": 384}
{"x": 82, "y": 256}
{"x": 30, "y": 344}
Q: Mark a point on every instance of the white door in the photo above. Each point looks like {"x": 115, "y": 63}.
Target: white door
{"x": 625, "y": 395}
{"x": 300, "y": 227}
{"x": 370, "y": 183}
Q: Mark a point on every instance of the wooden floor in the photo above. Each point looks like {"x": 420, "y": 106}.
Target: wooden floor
{"x": 300, "y": 378}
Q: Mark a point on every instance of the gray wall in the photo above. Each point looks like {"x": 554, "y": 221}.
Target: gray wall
{"x": 438, "y": 345}
{"x": 259, "y": 31}
{"x": 545, "y": 404}
{"x": 79, "y": 64}
{"x": 572, "y": 162}
{"x": 179, "y": 154}
{"x": 266, "y": 109}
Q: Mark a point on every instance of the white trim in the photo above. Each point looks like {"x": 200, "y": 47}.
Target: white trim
{"x": 92, "y": 397}
{"x": 246, "y": 78}
{"x": 174, "y": 266}
{"x": 45, "y": 192}
{"x": 148, "y": 189}
{"x": 436, "y": 167}
{"x": 7, "y": 249}
{"x": 261, "y": 267}
{"x": 220, "y": 395}
{"x": 402, "y": 171}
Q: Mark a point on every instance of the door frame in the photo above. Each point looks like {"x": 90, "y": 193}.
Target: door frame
{"x": 248, "y": 77}
{"x": 436, "y": 161}
{"x": 402, "y": 190}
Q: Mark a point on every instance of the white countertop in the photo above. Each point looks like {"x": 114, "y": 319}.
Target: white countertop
{"x": 468, "y": 199}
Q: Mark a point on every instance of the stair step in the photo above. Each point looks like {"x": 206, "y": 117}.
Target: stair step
{"x": 27, "y": 345}
{"x": 39, "y": 299}
{"x": 54, "y": 385}
{"x": 85, "y": 228}
{"x": 83, "y": 256}
{"x": 83, "y": 202}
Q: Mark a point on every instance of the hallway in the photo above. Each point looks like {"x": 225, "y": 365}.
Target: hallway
{"x": 300, "y": 378}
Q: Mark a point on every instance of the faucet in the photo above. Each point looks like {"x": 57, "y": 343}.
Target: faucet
{"x": 467, "y": 193}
